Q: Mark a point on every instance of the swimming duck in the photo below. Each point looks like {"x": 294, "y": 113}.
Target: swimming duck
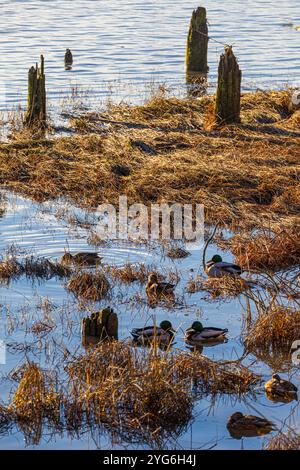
{"x": 240, "y": 425}
{"x": 81, "y": 259}
{"x": 278, "y": 387}
{"x": 216, "y": 267}
{"x": 155, "y": 288}
{"x": 68, "y": 58}
{"x": 198, "y": 333}
{"x": 163, "y": 332}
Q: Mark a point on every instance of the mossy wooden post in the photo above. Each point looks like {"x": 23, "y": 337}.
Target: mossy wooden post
{"x": 100, "y": 326}
{"x": 197, "y": 43}
{"x": 36, "y": 110}
{"x": 228, "y": 99}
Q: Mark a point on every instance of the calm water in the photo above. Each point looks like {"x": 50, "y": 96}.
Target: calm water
{"x": 36, "y": 229}
{"x": 120, "y": 45}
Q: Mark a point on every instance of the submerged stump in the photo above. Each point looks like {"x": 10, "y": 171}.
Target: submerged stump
{"x": 197, "y": 45}
{"x": 228, "y": 99}
{"x": 36, "y": 110}
{"x": 100, "y": 326}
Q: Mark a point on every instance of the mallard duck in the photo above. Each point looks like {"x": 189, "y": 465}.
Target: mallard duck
{"x": 164, "y": 332}
{"x": 277, "y": 387}
{"x": 155, "y": 288}
{"x": 240, "y": 425}
{"x": 216, "y": 267}
{"x": 197, "y": 333}
{"x": 68, "y": 58}
{"x": 81, "y": 259}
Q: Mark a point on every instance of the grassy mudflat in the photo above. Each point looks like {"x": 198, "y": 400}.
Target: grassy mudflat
{"x": 167, "y": 150}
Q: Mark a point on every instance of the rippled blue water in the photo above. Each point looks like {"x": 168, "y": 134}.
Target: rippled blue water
{"x": 134, "y": 41}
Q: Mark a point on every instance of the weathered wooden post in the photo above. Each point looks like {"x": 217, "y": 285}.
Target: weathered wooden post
{"x": 228, "y": 99}
{"x": 100, "y": 326}
{"x": 197, "y": 43}
{"x": 68, "y": 59}
{"x": 36, "y": 110}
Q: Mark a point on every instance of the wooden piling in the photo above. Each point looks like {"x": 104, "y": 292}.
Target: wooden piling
{"x": 36, "y": 108}
{"x": 197, "y": 43}
{"x": 228, "y": 99}
{"x": 100, "y": 326}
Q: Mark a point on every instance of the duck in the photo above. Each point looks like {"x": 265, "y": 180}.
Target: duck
{"x": 216, "y": 267}
{"x": 155, "y": 288}
{"x": 197, "y": 333}
{"x": 81, "y": 259}
{"x": 277, "y": 387}
{"x": 240, "y": 425}
{"x": 68, "y": 58}
{"x": 164, "y": 332}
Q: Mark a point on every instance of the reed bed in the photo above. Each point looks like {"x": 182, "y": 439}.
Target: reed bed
{"x": 245, "y": 175}
{"x": 130, "y": 273}
{"x": 273, "y": 331}
{"x": 143, "y": 395}
{"x": 284, "y": 441}
{"x": 265, "y": 252}
{"x": 32, "y": 268}
{"x": 225, "y": 288}
{"x": 89, "y": 286}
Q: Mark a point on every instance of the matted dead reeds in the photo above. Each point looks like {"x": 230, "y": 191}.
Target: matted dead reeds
{"x": 89, "y": 286}
{"x": 143, "y": 395}
{"x": 246, "y": 175}
{"x": 31, "y": 267}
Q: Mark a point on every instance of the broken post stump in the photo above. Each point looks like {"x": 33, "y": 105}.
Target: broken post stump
{"x": 100, "y": 326}
{"x": 197, "y": 44}
{"x": 36, "y": 110}
{"x": 68, "y": 59}
{"x": 228, "y": 99}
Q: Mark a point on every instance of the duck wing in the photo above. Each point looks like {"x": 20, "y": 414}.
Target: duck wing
{"x": 211, "y": 332}
{"x": 228, "y": 267}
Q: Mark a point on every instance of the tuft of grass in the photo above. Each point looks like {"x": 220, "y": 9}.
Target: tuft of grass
{"x": 130, "y": 273}
{"x": 89, "y": 286}
{"x": 273, "y": 331}
{"x": 272, "y": 252}
{"x": 284, "y": 441}
{"x": 31, "y": 267}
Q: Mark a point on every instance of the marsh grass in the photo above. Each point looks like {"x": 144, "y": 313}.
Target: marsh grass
{"x": 245, "y": 175}
{"x": 31, "y": 267}
{"x": 273, "y": 331}
{"x": 224, "y": 288}
{"x": 268, "y": 251}
{"x": 284, "y": 441}
{"x": 89, "y": 286}
{"x": 143, "y": 395}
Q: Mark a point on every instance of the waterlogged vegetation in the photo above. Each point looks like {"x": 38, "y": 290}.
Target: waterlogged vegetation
{"x": 152, "y": 344}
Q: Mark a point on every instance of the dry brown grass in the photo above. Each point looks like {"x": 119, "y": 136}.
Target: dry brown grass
{"x": 130, "y": 273}
{"x": 284, "y": 441}
{"x": 32, "y": 268}
{"x": 246, "y": 175}
{"x": 276, "y": 251}
{"x": 225, "y": 287}
{"x": 273, "y": 331}
{"x": 89, "y": 286}
{"x": 140, "y": 395}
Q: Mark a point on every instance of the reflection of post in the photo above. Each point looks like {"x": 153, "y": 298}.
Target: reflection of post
{"x": 197, "y": 44}
{"x": 36, "y": 110}
{"x": 100, "y": 326}
{"x": 228, "y": 100}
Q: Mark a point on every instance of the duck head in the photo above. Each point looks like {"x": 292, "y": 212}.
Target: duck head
{"x": 197, "y": 326}
{"x": 276, "y": 377}
{"x": 67, "y": 258}
{"x": 166, "y": 325}
{"x": 216, "y": 259}
{"x": 236, "y": 416}
{"x": 152, "y": 279}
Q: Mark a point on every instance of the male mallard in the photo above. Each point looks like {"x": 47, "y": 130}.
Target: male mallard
{"x": 198, "y": 333}
{"x": 81, "y": 259}
{"x": 155, "y": 288}
{"x": 164, "y": 332}
{"x": 240, "y": 425}
{"x": 68, "y": 58}
{"x": 216, "y": 267}
{"x": 280, "y": 388}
